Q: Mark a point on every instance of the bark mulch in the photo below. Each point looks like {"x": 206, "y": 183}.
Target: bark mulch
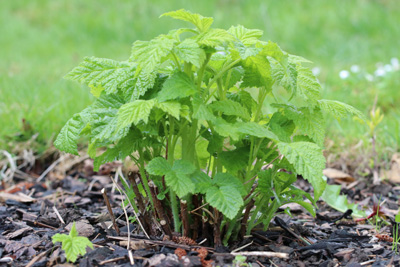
{"x": 32, "y": 210}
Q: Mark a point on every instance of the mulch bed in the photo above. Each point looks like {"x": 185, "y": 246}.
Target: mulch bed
{"x": 28, "y": 220}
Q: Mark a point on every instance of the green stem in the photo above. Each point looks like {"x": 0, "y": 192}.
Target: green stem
{"x": 144, "y": 177}
{"x": 172, "y": 195}
{"x": 216, "y": 77}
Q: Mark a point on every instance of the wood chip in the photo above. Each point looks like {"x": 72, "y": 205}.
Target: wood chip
{"x": 20, "y": 197}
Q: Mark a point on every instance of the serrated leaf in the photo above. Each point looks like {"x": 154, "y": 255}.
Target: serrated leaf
{"x": 281, "y": 126}
{"x": 72, "y": 244}
{"x": 230, "y": 107}
{"x": 190, "y": 51}
{"x": 202, "y": 23}
{"x": 243, "y": 51}
{"x": 179, "y": 180}
{"x": 226, "y": 129}
{"x": 309, "y": 122}
{"x": 202, "y": 111}
{"x": 272, "y": 49}
{"x": 148, "y": 54}
{"x": 257, "y": 72}
{"x": 125, "y": 147}
{"x": 158, "y": 166}
{"x": 285, "y": 76}
{"x": 144, "y": 81}
{"x": 226, "y": 199}
{"x": 222, "y": 179}
{"x": 338, "y": 109}
{"x": 255, "y": 129}
{"x": 134, "y": 112}
{"x": 308, "y": 160}
{"x": 96, "y": 90}
{"x": 201, "y": 181}
{"x": 172, "y": 108}
{"x": 108, "y": 73}
{"x": 245, "y": 99}
{"x": 234, "y": 160}
{"x": 103, "y": 118}
{"x": 179, "y": 85}
{"x": 307, "y": 85}
{"x": 246, "y": 36}
{"x": 214, "y": 37}
{"x": 69, "y": 135}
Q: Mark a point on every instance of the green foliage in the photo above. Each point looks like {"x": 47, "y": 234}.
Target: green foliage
{"x": 199, "y": 113}
{"x": 72, "y": 244}
{"x": 339, "y": 202}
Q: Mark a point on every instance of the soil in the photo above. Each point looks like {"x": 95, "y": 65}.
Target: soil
{"x": 33, "y": 208}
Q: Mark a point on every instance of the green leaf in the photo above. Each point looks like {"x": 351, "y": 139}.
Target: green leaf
{"x": 309, "y": 122}
{"x": 96, "y": 90}
{"x": 243, "y": 51}
{"x": 255, "y": 129}
{"x": 202, "y": 23}
{"x": 179, "y": 85}
{"x": 144, "y": 81}
{"x": 281, "y": 126}
{"x": 202, "y": 181}
{"x": 307, "y": 85}
{"x": 150, "y": 53}
{"x": 190, "y": 51}
{"x": 158, "y": 166}
{"x": 271, "y": 49}
{"x": 214, "y": 37}
{"x": 179, "y": 179}
{"x": 285, "y": 76}
{"x": 134, "y": 112}
{"x": 339, "y": 202}
{"x": 125, "y": 147}
{"x": 230, "y": 107}
{"x": 235, "y": 160}
{"x": 103, "y": 118}
{"x": 257, "y": 72}
{"x": 69, "y": 135}
{"x": 339, "y": 110}
{"x": 308, "y": 160}
{"x": 170, "y": 107}
{"x": 226, "y": 199}
{"x": 109, "y": 74}
{"x": 202, "y": 111}
{"x": 226, "y": 129}
{"x": 246, "y": 36}
{"x": 72, "y": 244}
{"x": 222, "y": 179}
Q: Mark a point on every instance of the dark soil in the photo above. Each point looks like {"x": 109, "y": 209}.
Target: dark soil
{"x": 28, "y": 220}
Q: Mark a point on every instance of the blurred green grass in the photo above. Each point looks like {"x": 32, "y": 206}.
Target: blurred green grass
{"x": 42, "y": 40}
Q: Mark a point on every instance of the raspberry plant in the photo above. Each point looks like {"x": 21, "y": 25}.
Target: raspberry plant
{"x": 219, "y": 123}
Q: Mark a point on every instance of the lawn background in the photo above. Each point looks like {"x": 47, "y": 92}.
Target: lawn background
{"x": 42, "y": 40}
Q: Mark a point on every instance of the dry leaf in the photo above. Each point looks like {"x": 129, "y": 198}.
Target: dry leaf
{"x": 393, "y": 174}
{"x": 338, "y": 176}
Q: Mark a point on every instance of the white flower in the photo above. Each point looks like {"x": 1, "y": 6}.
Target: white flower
{"x": 388, "y": 68}
{"x": 355, "y": 68}
{"x": 380, "y": 72}
{"x": 369, "y": 77}
{"x": 344, "y": 74}
{"x": 395, "y": 63}
{"x": 316, "y": 71}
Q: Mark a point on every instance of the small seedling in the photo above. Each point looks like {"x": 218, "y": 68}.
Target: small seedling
{"x": 72, "y": 244}
{"x": 396, "y": 237}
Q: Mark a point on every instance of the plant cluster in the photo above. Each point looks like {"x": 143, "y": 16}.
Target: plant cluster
{"x": 219, "y": 123}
